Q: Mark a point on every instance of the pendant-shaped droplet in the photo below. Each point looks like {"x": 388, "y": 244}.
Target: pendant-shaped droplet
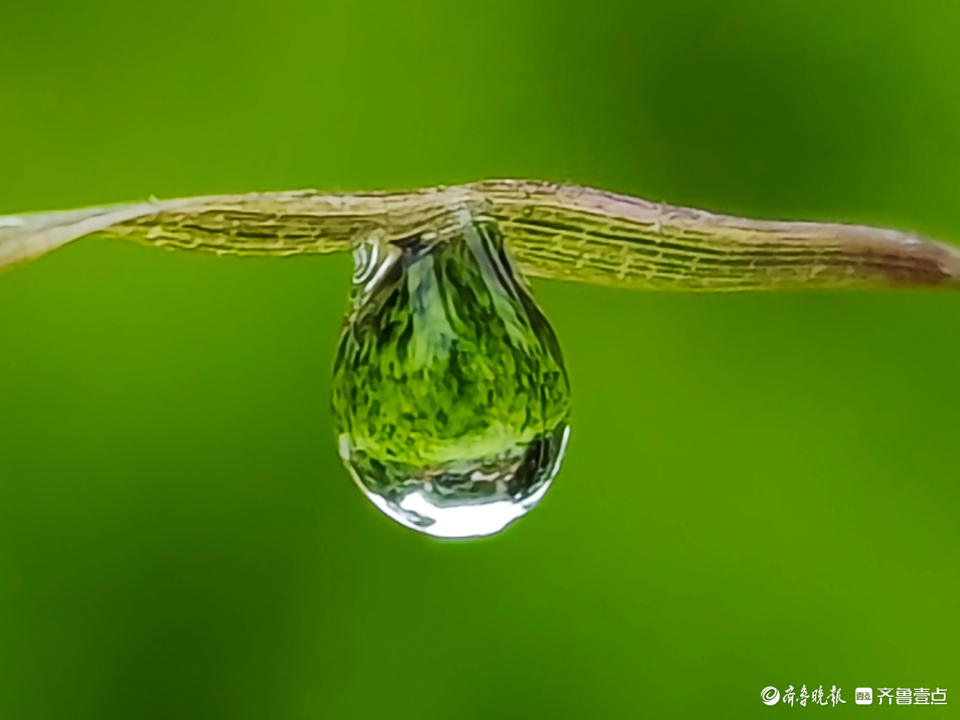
{"x": 450, "y": 397}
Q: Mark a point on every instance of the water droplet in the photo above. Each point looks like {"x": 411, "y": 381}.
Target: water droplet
{"x": 450, "y": 398}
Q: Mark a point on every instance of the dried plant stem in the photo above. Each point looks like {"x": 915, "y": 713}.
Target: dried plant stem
{"x": 554, "y": 231}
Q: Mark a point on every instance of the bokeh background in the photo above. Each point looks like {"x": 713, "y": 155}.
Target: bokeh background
{"x": 761, "y": 489}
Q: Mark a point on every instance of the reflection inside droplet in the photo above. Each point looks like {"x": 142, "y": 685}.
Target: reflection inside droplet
{"x": 450, "y": 397}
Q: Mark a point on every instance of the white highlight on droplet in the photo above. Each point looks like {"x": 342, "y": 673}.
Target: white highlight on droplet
{"x": 461, "y": 521}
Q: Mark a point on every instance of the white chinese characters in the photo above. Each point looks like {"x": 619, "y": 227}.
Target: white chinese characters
{"x": 862, "y": 696}
{"x": 817, "y": 697}
{"x": 912, "y": 696}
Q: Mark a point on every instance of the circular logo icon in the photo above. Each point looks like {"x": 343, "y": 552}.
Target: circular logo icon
{"x": 770, "y": 695}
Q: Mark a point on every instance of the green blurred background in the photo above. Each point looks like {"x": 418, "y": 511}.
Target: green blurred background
{"x": 759, "y": 490}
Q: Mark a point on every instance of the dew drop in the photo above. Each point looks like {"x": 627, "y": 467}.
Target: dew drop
{"x": 450, "y": 398}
